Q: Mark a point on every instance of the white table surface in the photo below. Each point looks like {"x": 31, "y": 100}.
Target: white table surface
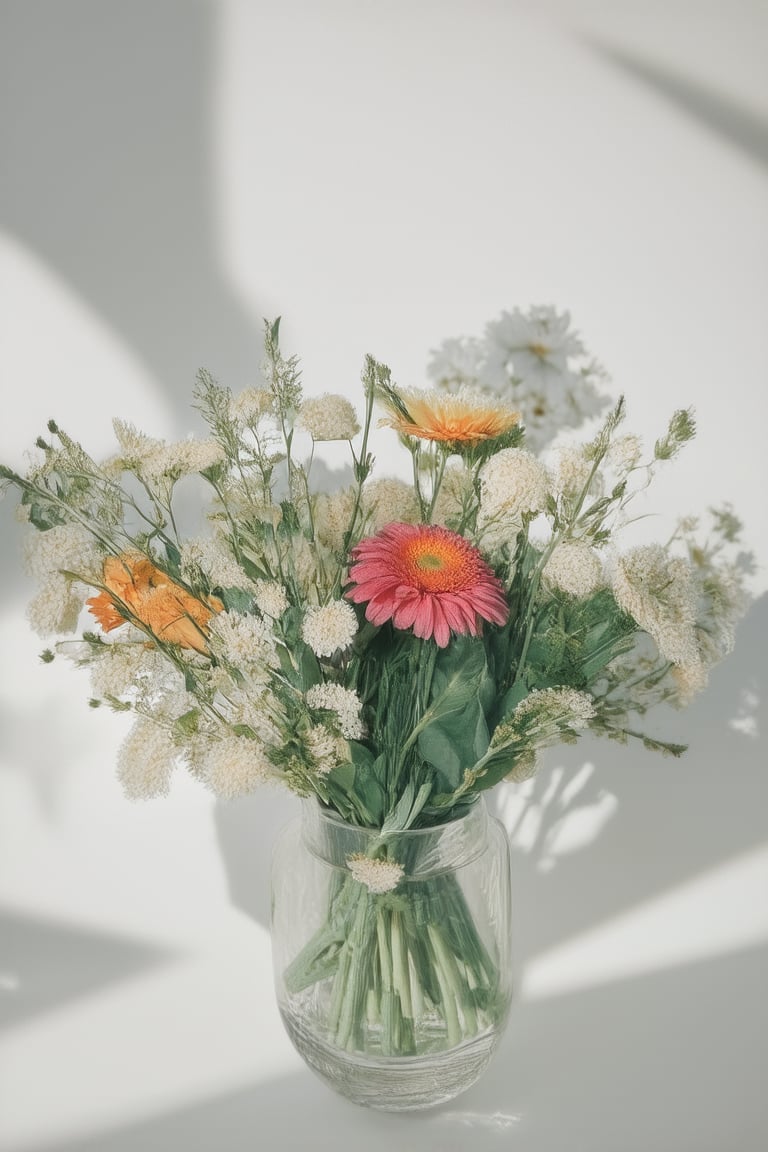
{"x": 383, "y": 175}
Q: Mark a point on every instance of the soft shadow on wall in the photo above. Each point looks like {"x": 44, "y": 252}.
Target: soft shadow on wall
{"x": 106, "y": 122}
{"x": 108, "y": 173}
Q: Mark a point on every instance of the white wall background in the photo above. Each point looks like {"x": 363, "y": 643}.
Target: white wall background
{"x": 383, "y": 175}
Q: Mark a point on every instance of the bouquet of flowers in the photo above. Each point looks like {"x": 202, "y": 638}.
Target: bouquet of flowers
{"x": 391, "y": 649}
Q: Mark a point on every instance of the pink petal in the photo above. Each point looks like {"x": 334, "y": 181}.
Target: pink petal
{"x": 406, "y": 610}
{"x": 424, "y": 623}
{"x": 442, "y": 632}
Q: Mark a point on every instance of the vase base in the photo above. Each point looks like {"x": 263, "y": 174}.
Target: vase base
{"x": 394, "y": 1084}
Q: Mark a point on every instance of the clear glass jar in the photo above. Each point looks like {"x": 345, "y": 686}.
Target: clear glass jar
{"x": 396, "y": 997}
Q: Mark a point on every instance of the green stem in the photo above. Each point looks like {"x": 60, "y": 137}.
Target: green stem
{"x": 447, "y": 997}
{"x": 400, "y": 973}
{"x": 436, "y": 485}
{"x": 349, "y": 991}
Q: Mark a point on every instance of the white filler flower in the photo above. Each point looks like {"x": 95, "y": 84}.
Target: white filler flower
{"x": 329, "y": 417}
{"x": 343, "y": 702}
{"x": 378, "y": 876}
{"x": 330, "y": 627}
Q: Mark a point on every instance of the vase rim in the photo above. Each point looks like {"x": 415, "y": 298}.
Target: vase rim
{"x": 421, "y": 851}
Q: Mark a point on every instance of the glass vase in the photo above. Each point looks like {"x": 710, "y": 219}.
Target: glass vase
{"x": 391, "y": 953}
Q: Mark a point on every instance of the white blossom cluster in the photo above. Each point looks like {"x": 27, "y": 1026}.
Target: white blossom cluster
{"x": 158, "y": 461}
{"x": 326, "y": 749}
{"x": 68, "y": 547}
{"x": 535, "y": 361}
{"x": 332, "y": 513}
{"x": 146, "y": 760}
{"x": 328, "y": 417}
{"x": 657, "y": 591}
{"x": 378, "y": 876}
{"x": 624, "y": 453}
{"x": 211, "y": 555}
{"x": 575, "y": 568}
{"x": 330, "y": 627}
{"x": 558, "y": 705}
{"x": 251, "y": 405}
{"x": 271, "y": 598}
{"x": 233, "y": 766}
{"x": 513, "y": 485}
{"x": 54, "y": 557}
{"x": 117, "y": 669}
{"x": 242, "y": 639}
{"x": 249, "y": 702}
{"x": 56, "y": 607}
{"x": 343, "y": 702}
{"x": 387, "y": 500}
{"x": 571, "y": 470}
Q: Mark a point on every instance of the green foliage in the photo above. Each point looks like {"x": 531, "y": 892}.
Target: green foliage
{"x": 682, "y": 427}
{"x": 455, "y": 729}
{"x": 188, "y": 724}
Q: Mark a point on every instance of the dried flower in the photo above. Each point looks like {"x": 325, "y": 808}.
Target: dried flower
{"x": 333, "y": 516}
{"x": 242, "y": 639}
{"x": 564, "y": 705}
{"x": 572, "y": 470}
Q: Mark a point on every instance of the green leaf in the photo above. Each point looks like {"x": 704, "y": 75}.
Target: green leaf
{"x": 516, "y": 694}
{"x": 395, "y": 821}
{"x": 174, "y": 556}
{"x": 342, "y": 777}
{"x": 236, "y": 600}
{"x": 188, "y": 724}
{"x": 456, "y": 734}
{"x": 437, "y": 748}
{"x": 370, "y": 798}
{"x": 244, "y": 730}
{"x": 309, "y": 668}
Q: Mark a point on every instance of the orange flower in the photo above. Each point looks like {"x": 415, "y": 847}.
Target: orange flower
{"x": 138, "y": 591}
{"x": 455, "y": 418}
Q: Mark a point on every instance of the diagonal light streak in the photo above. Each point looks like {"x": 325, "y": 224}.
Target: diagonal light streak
{"x": 724, "y": 910}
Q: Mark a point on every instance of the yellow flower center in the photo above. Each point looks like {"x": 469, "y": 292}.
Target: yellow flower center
{"x": 437, "y": 563}
{"x": 428, "y": 560}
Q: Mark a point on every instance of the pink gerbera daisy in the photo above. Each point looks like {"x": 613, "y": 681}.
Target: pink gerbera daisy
{"x": 427, "y": 577}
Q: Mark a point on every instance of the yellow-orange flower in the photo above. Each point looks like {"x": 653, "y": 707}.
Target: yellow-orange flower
{"x": 457, "y": 417}
{"x": 134, "y": 589}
